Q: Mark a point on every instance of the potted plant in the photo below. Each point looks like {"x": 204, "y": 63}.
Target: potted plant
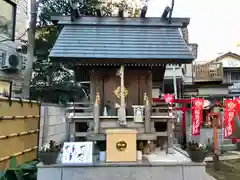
{"x": 197, "y": 152}
{"x": 48, "y": 153}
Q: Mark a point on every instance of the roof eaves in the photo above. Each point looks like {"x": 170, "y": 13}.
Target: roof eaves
{"x": 225, "y": 55}
{"x": 116, "y": 21}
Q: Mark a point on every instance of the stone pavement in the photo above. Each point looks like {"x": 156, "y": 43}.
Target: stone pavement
{"x": 209, "y": 177}
{"x": 235, "y": 152}
{"x": 235, "y": 155}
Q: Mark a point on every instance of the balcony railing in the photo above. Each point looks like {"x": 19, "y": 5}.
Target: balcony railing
{"x": 208, "y": 72}
{"x": 235, "y": 87}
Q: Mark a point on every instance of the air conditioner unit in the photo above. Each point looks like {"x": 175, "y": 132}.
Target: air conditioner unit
{"x": 10, "y": 61}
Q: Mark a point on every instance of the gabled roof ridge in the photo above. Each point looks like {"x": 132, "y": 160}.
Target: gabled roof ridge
{"x": 117, "y": 21}
{"x": 224, "y": 55}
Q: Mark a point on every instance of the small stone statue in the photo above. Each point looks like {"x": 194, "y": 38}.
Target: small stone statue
{"x": 146, "y": 99}
{"x": 97, "y": 101}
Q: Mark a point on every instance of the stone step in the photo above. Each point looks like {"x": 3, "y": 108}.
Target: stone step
{"x": 79, "y": 114}
{"x": 115, "y": 124}
{"x": 87, "y": 103}
{"x": 141, "y": 136}
{"x": 160, "y": 109}
{"x": 227, "y": 141}
{"x": 139, "y": 130}
{"x": 72, "y": 108}
{"x": 229, "y": 147}
{"x": 160, "y": 106}
{"x": 160, "y": 113}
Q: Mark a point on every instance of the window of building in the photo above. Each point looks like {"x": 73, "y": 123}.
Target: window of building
{"x": 235, "y": 80}
{"x": 7, "y": 18}
{"x": 235, "y": 76}
{"x": 5, "y": 88}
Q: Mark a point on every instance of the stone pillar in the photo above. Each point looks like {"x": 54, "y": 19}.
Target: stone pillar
{"x": 170, "y": 136}
{"x": 45, "y": 122}
{"x": 170, "y": 149}
{"x": 72, "y": 130}
{"x": 147, "y": 121}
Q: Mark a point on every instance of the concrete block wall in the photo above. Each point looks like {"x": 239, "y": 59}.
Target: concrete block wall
{"x": 205, "y": 134}
{"x": 53, "y": 124}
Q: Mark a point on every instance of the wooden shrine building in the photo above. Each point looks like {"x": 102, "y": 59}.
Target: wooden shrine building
{"x": 117, "y": 55}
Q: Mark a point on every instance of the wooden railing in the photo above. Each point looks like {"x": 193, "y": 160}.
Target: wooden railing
{"x": 208, "y": 72}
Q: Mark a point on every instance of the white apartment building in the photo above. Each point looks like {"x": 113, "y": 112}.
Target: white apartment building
{"x": 13, "y": 29}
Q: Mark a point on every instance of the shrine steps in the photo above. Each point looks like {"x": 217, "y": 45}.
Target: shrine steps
{"x": 140, "y": 136}
{"x": 80, "y": 109}
{"x": 229, "y": 147}
{"x": 160, "y": 109}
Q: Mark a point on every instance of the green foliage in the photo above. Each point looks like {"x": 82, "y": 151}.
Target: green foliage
{"x": 14, "y": 174}
{"x": 45, "y": 39}
{"x": 49, "y": 147}
{"x": 47, "y": 8}
{"x": 56, "y": 79}
{"x": 194, "y": 146}
{"x": 3, "y": 178}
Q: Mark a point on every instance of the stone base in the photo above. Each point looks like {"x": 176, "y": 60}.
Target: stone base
{"x": 123, "y": 171}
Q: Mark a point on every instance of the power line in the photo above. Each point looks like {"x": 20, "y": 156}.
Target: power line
{"x": 19, "y": 38}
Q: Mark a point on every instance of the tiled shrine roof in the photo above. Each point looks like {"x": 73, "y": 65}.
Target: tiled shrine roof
{"x": 117, "y": 38}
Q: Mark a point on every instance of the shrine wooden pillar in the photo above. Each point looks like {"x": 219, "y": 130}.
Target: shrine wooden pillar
{"x": 92, "y": 86}
{"x": 148, "y": 105}
{"x": 96, "y": 97}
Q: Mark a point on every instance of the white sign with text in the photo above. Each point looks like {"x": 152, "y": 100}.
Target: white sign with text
{"x": 230, "y": 62}
{"x": 77, "y": 152}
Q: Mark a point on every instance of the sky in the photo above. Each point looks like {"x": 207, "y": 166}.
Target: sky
{"x": 214, "y": 24}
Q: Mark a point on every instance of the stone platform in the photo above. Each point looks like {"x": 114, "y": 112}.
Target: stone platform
{"x": 153, "y": 167}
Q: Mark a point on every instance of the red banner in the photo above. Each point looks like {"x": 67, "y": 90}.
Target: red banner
{"x": 197, "y": 115}
{"x": 238, "y": 108}
{"x": 230, "y": 110}
{"x": 169, "y": 98}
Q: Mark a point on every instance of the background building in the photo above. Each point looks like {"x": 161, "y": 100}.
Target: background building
{"x": 13, "y": 33}
{"x": 231, "y": 70}
{"x": 182, "y": 73}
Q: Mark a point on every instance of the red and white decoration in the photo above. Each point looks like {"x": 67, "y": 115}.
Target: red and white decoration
{"x": 197, "y": 115}
{"x": 169, "y": 98}
{"x": 230, "y": 110}
{"x": 238, "y": 108}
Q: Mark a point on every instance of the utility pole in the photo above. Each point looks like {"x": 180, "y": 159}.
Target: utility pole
{"x": 30, "y": 51}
